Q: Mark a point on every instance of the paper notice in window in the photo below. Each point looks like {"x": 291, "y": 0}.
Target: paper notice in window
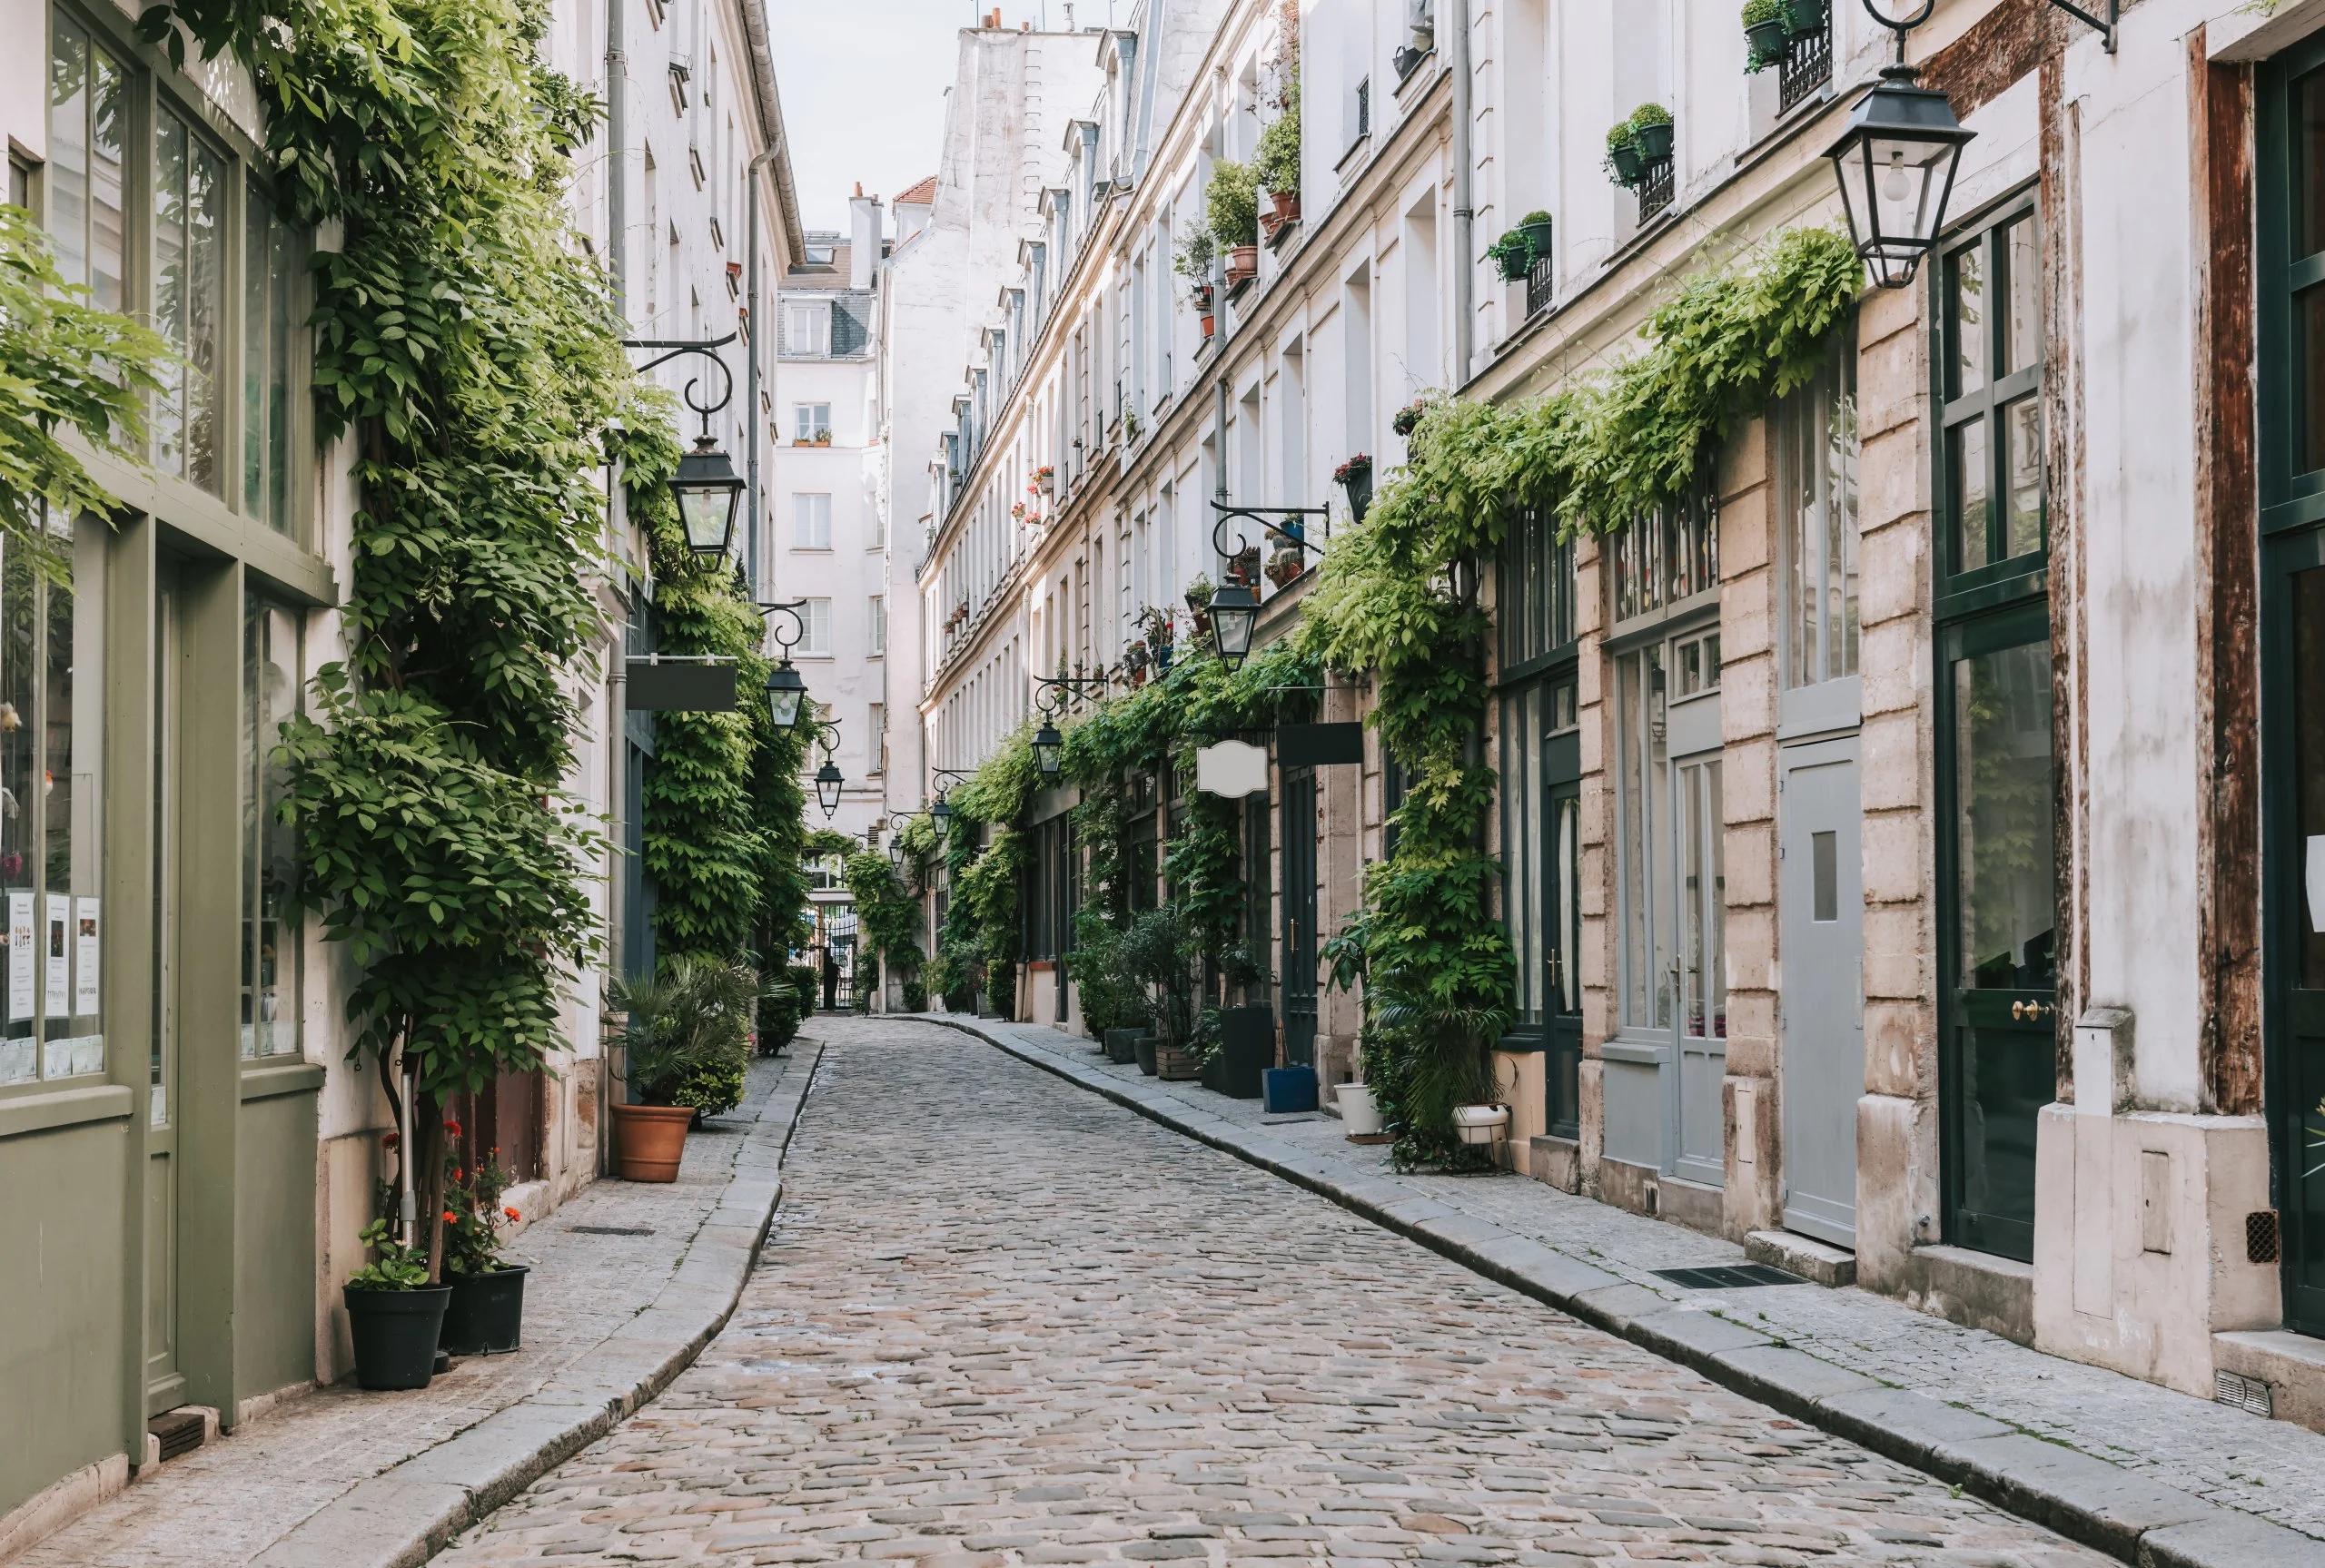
{"x": 2317, "y": 883}
{"x": 56, "y": 1000}
{"x": 85, "y": 944}
{"x": 20, "y": 956}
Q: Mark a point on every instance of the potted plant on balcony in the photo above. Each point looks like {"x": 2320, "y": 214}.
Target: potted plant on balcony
{"x": 1408, "y": 418}
{"x": 1653, "y": 134}
{"x": 1276, "y": 163}
{"x": 1231, "y": 206}
{"x": 1355, "y": 477}
{"x": 1043, "y": 482}
{"x": 1808, "y": 16}
{"x": 1513, "y": 256}
{"x": 1199, "y": 598}
{"x": 687, "y": 1046}
{"x": 1285, "y": 565}
{"x": 1623, "y": 161}
{"x": 1537, "y": 227}
{"x": 486, "y": 1313}
{"x": 394, "y": 1314}
{"x": 1767, "y": 33}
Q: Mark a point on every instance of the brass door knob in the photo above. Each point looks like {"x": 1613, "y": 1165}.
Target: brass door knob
{"x": 2031, "y": 1011}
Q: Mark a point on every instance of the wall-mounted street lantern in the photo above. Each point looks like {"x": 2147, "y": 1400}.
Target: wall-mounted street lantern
{"x": 785, "y": 686}
{"x": 1896, "y": 160}
{"x": 708, "y": 488}
{"x": 828, "y": 778}
{"x": 1235, "y": 608}
{"x": 943, "y": 810}
{"x": 1049, "y": 746}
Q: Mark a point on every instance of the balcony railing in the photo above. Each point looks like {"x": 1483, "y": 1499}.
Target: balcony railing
{"x": 1654, "y": 188}
{"x": 1806, "y": 67}
{"x": 1537, "y": 285}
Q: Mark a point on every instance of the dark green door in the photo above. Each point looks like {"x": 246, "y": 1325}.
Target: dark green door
{"x": 1300, "y": 986}
{"x": 1997, "y": 939}
{"x": 2297, "y": 1086}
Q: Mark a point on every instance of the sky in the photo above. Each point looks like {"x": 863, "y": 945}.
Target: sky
{"x": 863, "y": 85}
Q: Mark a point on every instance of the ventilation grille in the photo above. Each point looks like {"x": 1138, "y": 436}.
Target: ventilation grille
{"x": 2238, "y": 1392}
{"x": 1728, "y": 1276}
{"x": 2260, "y": 1244}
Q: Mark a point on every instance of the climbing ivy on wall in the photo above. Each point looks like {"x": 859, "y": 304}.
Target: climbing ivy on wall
{"x": 887, "y": 913}
{"x": 1399, "y": 597}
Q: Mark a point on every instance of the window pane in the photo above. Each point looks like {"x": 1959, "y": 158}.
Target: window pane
{"x": 189, "y": 300}
{"x": 2309, "y": 776}
{"x": 2309, "y": 187}
{"x": 73, "y": 737}
{"x": 1567, "y": 867}
{"x": 1630, "y": 741}
{"x": 2308, "y": 315}
{"x": 2002, "y": 783}
{"x": 170, "y": 290}
{"x": 2023, "y": 332}
{"x": 1825, "y": 870}
{"x": 255, "y": 350}
{"x": 68, "y": 152}
{"x": 2023, "y": 429}
{"x": 1967, "y": 466}
{"x": 19, "y": 765}
{"x": 1967, "y": 326}
{"x": 273, "y": 1016}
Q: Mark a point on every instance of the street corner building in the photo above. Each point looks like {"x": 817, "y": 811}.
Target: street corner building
{"x": 1912, "y": 836}
{"x": 189, "y": 1145}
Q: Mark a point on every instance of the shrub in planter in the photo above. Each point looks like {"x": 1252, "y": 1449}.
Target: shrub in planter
{"x": 1803, "y": 16}
{"x": 807, "y": 986}
{"x": 778, "y": 1018}
{"x": 915, "y": 996}
{"x": 1408, "y": 418}
{"x": 1623, "y": 160}
{"x": 1652, "y": 132}
{"x": 687, "y": 1054}
{"x": 1275, "y": 166}
{"x": 394, "y": 1314}
{"x": 1767, "y": 32}
{"x": 1232, "y": 206}
{"x": 1355, "y": 477}
{"x": 1513, "y": 256}
{"x": 1163, "y": 952}
{"x": 485, "y": 1315}
{"x": 1537, "y": 227}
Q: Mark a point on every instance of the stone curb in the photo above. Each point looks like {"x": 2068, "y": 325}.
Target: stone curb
{"x": 2103, "y": 1505}
{"x": 402, "y": 1518}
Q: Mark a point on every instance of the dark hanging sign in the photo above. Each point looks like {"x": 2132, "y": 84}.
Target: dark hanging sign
{"x": 672, "y": 685}
{"x": 1319, "y": 746}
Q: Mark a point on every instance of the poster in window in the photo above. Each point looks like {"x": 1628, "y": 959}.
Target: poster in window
{"x": 20, "y": 956}
{"x": 58, "y": 988}
{"x": 85, "y": 944}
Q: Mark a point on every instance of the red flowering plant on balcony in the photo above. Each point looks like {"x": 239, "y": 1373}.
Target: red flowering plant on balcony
{"x": 475, "y": 1215}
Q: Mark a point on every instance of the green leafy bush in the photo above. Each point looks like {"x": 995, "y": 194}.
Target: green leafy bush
{"x": 685, "y": 1035}
{"x": 1231, "y": 204}
{"x": 1275, "y": 165}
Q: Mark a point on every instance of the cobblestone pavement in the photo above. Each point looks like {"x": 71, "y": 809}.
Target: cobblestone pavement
{"x": 2271, "y": 1469}
{"x": 229, "y": 1501}
{"x": 1003, "y": 1321}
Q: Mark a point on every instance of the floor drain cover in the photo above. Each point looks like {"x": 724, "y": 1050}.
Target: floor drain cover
{"x": 1728, "y": 1276}
{"x": 613, "y": 1229}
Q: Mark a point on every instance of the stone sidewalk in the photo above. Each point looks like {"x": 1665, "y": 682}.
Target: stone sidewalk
{"x": 629, "y": 1282}
{"x": 2150, "y": 1475}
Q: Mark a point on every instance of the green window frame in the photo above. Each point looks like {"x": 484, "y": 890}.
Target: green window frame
{"x": 159, "y": 205}
{"x": 1990, "y": 487}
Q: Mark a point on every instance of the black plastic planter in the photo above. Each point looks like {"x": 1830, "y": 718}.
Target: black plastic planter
{"x": 1654, "y": 142}
{"x": 1805, "y": 16}
{"x": 1246, "y": 1050}
{"x": 395, "y": 1334}
{"x": 1149, "y": 1046}
{"x": 487, "y": 1314}
{"x": 1767, "y": 41}
{"x": 1359, "y": 486}
{"x": 1121, "y": 1046}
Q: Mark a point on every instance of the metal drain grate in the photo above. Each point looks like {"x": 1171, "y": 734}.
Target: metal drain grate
{"x": 612, "y": 1229}
{"x": 2241, "y": 1393}
{"x": 1728, "y": 1276}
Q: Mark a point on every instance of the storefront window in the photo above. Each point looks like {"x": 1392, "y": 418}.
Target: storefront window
{"x": 271, "y": 935}
{"x": 190, "y": 196}
{"x": 52, "y": 736}
{"x": 270, "y": 266}
{"x": 1816, "y": 458}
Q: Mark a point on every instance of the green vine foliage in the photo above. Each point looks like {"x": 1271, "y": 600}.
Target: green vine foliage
{"x": 1397, "y": 596}
{"x": 65, "y": 366}
{"x": 887, "y": 913}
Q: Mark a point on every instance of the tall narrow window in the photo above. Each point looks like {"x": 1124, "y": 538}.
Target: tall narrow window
{"x": 815, "y": 629}
{"x": 190, "y": 197}
{"x": 811, "y": 521}
{"x": 1816, "y": 458}
{"x": 268, "y": 269}
{"x": 807, "y": 329}
{"x": 879, "y": 620}
{"x": 88, "y": 116}
{"x": 271, "y": 933}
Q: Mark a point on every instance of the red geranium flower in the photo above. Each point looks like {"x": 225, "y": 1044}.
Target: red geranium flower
{"x": 451, "y": 1219}
{"x": 452, "y": 1128}
{"x": 512, "y": 1214}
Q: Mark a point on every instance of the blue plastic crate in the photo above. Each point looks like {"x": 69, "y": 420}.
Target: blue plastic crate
{"x": 1285, "y": 1090}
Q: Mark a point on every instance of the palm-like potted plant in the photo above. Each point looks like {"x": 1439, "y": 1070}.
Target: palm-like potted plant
{"x": 486, "y": 1313}
{"x": 394, "y": 1314}
{"x": 687, "y": 1041}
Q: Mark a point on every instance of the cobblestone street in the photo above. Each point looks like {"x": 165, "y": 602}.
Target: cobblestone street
{"x": 1004, "y": 1321}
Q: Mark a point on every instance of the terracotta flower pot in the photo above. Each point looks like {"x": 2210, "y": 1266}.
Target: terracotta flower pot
{"x": 1243, "y": 264}
{"x": 650, "y": 1139}
{"x": 1207, "y": 323}
{"x": 1287, "y": 205}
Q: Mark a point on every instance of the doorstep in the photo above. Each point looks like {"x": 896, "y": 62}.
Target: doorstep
{"x": 2153, "y": 1477}
{"x": 1817, "y": 1262}
{"x": 346, "y": 1479}
{"x": 2290, "y": 1366}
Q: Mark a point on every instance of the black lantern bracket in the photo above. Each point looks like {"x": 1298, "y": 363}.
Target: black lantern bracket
{"x": 2106, "y": 24}
{"x": 1069, "y": 686}
{"x": 665, "y": 349}
{"x": 789, "y": 609}
{"x": 1266, "y": 518}
{"x": 830, "y": 780}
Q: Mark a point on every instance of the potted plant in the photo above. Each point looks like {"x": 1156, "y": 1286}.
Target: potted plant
{"x": 1276, "y": 163}
{"x": 1768, "y": 31}
{"x": 1653, "y": 134}
{"x": 1163, "y": 952}
{"x": 1198, "y": 596}
{"x": 685, "y": 1041}
{"x": 1408, "y": 418}
{"x": 1244, "y": 1035}
{"x": 1536, "y": 226}
{"x": 1355, "y": 477}
{"x": 1045, "y": 479}
{"x": 1623, "y": 160}
{"x": 1286, "y": 565}
{"x": 1245, "y": 568}
{"x": 486, "y": 1313}
{"x": 393, "y": 1313}
{"x": 1196, "y": 255}
{"x": 1232, "y": 207}
{"x": 1512, "y": 256}
{"x": 1807, "y": 17}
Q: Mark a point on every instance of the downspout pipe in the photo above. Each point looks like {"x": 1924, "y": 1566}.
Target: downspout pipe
{"x": 754, "y": 428}
{"x": 1465, "y": 271}
{"x": 617, "y": 158}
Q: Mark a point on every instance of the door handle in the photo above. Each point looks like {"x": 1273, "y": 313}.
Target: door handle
{"x": 2031, "y": 1011}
